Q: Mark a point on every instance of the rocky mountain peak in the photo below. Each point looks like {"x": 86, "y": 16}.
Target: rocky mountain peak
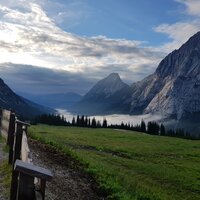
{"x": 113, "y": 77}
{"x": 182, "y": 62}
{"x": 106, "y": 96}
{"x": 108, "y": 85}
{"x": 193, "y": 41}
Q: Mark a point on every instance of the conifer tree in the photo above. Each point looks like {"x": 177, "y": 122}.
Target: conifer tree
{"x": 162, "y": 129}
{"x": 143, "y": 126}
{"x": 94, "y": 123}
{"x": 105, "y": 125}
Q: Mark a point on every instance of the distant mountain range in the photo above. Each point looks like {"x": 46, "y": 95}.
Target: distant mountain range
{"x": 58, "y": 100}
{"x": 23, "y": 107}
{"x": 172, "y": 90}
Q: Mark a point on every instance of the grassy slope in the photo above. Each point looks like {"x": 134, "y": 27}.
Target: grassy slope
{"x": 132, "y": 165}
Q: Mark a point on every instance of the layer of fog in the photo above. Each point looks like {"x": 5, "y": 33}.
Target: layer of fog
{"x": 116, "y": 118}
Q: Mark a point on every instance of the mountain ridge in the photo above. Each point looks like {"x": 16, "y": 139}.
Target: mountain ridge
{"x": 55, "y": 100}
{"x": 23, "y": 107}
{"x": 172, "y": 90}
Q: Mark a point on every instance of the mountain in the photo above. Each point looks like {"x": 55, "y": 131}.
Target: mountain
{"x": 23, "y": 107}
{"x": 58, "y": 100}
{"x": 109, "y": 95}
{"x": 174, "y": 88}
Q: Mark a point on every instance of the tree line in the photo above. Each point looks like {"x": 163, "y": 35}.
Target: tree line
{"x": 152, "y": 127}
{"x": 51, "y": 119}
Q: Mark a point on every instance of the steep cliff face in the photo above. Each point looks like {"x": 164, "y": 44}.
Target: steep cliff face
{"x": 174, "y": 88}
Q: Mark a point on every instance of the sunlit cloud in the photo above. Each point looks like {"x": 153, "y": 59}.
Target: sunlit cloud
{"x": 192, "y": 6}
{"x": 29, "y": 36}
{"x": 179, "y": 32}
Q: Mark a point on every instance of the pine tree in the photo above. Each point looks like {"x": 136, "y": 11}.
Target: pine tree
{"x": 143, "y": 126}
{"x": 162, "y": 129}
{"x": 94, "y": 123}
{"x": 77, "y": 121}
{"x": 105, "y": 125}
{"x": 73, "y": 121}
{"x": 82, "y": 121}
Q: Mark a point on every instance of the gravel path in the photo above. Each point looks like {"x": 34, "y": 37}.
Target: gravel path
{"x": 68, "y": 182}
{"x": 3, "y": 157}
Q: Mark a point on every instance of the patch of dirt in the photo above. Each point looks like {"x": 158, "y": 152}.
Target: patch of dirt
{"x": 69, "y": 181}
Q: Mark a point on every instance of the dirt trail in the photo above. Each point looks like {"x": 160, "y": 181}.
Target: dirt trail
{"x": 68, "y": 182}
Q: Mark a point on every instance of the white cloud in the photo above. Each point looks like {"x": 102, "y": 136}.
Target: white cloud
{"x": 29, "y": 36}
{"x": 178, "y": 32}
{"x": 192, "y": 6}
{"x": 181, "y": 31}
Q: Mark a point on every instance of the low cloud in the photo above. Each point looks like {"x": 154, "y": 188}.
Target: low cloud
{"x": 38, "y": 80}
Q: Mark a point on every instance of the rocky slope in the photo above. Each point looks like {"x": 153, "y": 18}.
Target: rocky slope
{"x": 174, "y": 89}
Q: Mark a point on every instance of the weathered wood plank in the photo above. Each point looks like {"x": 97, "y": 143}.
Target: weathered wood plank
{"x": 11, "y": 134}
{"x": 23, "y": 123}
{"x": 33, "y": 170}
{"x": 17, "y": 143}
{"x": 26, "y": 187}
{"x": 6, "y": 114}
{"x": 25, "y": 150}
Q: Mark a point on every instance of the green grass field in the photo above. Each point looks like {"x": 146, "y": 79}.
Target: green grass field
{"x": 131, "y": 165}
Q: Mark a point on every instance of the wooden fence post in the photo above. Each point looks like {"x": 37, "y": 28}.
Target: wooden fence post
{"x": 18, "y": 142}
{"x": 11, "y": 127}
{"x": 11, "y": 137}
{"x": 26, "y": 187}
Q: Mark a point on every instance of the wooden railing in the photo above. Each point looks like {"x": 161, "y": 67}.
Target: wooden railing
{"x": 26, "y": 177}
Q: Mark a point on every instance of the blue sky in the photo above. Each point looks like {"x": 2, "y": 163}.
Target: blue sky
{"x": 50, "y": 46}
{"x": 130, "y": 19}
